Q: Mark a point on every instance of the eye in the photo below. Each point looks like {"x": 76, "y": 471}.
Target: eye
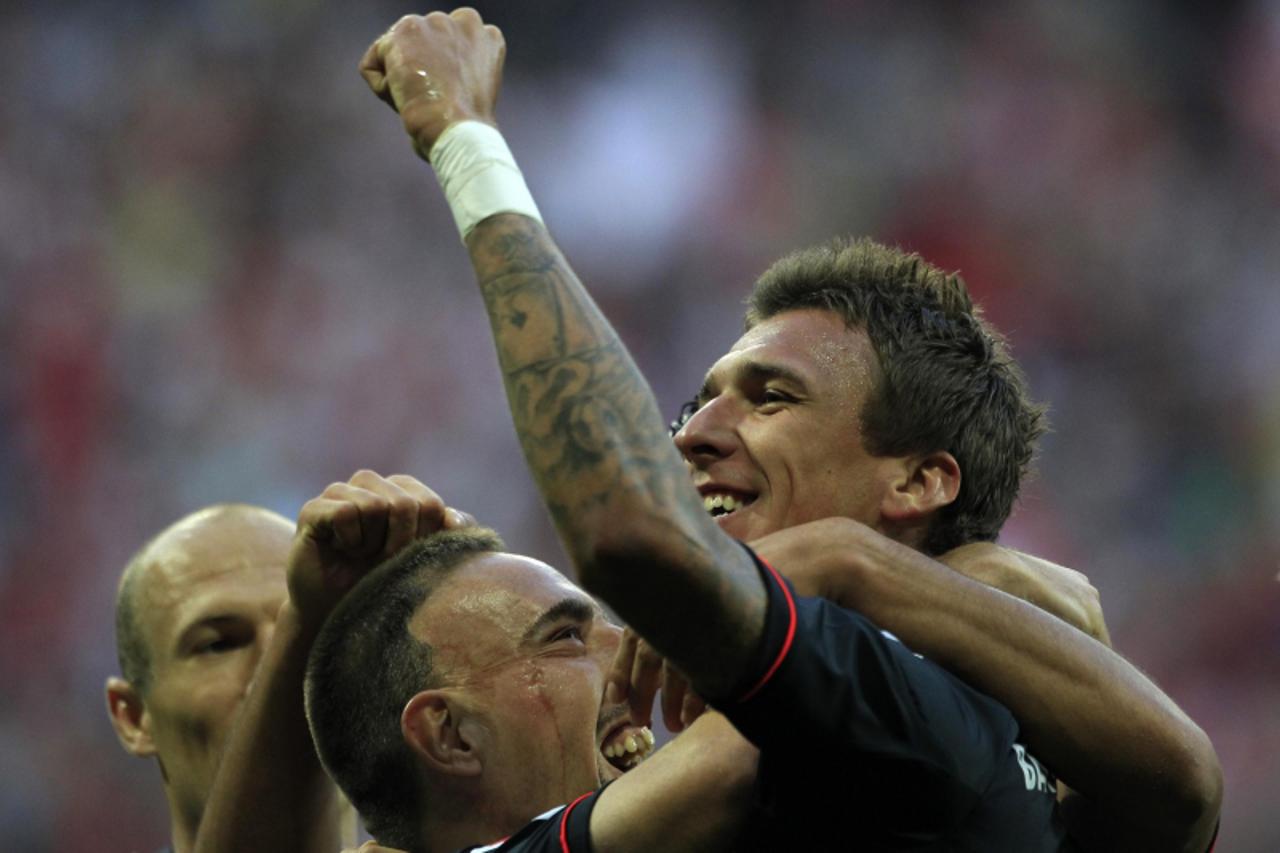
{"x": 687, "y": 411}
{"x": 773, "y": 397}
{"x": 569, "y": 632}
{"x": 221, "y": 642}
{"x": 217, "y": 646}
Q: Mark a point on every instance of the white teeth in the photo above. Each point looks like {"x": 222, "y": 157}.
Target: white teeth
{"x": 727, "y": 503}
{"x": 632, "y": 749}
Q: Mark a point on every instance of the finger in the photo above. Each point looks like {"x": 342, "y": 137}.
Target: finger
{"x": 370, "y": 533}
{"x": 402, "y": 511}
{"x": 456, "y": 518}
{"x": 430, "y": 506}
{"x": 674, "y": 689}
{"x": 333, "y": 519}
{"x": 374, "y": 72}
{"x": 646, "y": 675}
{"x": 500, "y": 40}
{"x": 402, "y": 523}
{"x": 467, "y": 16}
{"x": 694, "y": 707}
{"x": 1100, "y": 632}
{"x": 618, "y": 681}
{"x": 316, "y": 520}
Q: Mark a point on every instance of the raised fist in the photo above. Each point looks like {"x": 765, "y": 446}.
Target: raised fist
{"x": 352, "y": 527}
{"x": 435, "y": 70}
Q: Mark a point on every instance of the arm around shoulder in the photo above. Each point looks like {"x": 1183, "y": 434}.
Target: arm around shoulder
{"x": 692, "y": 795}
{"x": 1135, "y": 759}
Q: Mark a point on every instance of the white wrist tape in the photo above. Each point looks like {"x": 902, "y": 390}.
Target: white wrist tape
{"x": 479, "y": 176}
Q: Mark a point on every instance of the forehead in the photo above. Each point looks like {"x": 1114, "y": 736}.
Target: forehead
{"x": 481, "y": 614}
{"x": 231, "y": 566}
{"x": 812, "y": 344}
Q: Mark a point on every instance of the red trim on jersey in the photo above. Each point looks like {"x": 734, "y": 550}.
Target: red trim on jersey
{"x": 564, "y": 823}
{"x": 791, "y": 632}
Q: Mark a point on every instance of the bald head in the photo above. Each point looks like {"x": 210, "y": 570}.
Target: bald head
{"x": 221, "y": 539}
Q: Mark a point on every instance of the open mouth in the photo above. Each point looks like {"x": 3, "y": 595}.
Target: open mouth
{"x": 627, "y": 745}
{"x": 724, "y": 503}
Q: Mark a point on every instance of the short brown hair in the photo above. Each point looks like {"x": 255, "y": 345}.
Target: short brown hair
{"x": 365, "y": 666}
{"x": 946, "y": 378}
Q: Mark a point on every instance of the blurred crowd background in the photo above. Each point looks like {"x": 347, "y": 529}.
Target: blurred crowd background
{"x": 224, "y": 276}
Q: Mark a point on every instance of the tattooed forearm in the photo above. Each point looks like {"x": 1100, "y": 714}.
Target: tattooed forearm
{"x": 585, "y": 415}
{"x": 598, "y": 446}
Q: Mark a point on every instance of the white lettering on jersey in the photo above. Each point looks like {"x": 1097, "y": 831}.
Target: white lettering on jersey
{"x": 1033, "y": 774}
{"x": 889, "y": 636}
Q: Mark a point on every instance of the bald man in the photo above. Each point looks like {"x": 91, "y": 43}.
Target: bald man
{"x": 195, "y": 608}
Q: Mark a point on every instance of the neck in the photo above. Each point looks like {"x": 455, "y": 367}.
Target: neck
{"x": 182, "y": 833}
{"x": 912, "y": 534}
{"x": 184, "y": 817}
{"x": 459, "y": 833}
{"x": 452, "y": 823}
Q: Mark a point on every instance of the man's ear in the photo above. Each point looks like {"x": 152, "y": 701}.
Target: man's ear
{"x": 439, "y": 731}
{"x": 926, "y": 484}
{"x": 129, "y": 717}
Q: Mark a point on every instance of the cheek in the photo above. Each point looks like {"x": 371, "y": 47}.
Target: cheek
{"x": 565, "y": 698}
{"x": 198, "y": 715}
{"x": 551, "y": 715}
{"x": 564, "y": 690}
{"x": 825, "y": 490}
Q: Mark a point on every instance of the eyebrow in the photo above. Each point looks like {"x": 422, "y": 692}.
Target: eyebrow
{"x": 576, "y": 609}
{"x": 759, "y": 371}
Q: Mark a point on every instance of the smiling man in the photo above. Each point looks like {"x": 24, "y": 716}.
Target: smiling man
{"x": 912, "y": 758}
{"x": 866, "y": 386}
{"x": 456, "y": 693}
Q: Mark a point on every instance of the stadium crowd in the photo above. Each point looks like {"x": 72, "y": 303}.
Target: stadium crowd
{"x": 211, "y": 250}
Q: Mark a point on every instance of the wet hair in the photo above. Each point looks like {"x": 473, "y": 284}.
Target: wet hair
{"x": 365, "y": 666}
{"x": 945, "y": 378}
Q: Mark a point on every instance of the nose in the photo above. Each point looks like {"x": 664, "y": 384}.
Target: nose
{"x": 708, "y": 434}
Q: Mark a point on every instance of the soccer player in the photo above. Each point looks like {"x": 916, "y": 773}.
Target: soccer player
{"x": 641, "y": 539}
{"x": 195, "y": 609}
{"x": 456, "y": 669}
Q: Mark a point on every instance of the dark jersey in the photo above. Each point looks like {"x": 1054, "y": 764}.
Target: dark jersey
{"x": 865, "y": 745}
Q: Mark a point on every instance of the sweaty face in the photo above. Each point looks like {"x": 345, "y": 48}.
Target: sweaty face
{"x": 776, "y": 440}
{"x": 531, "y": 652}
{"x": 209, "y": 606}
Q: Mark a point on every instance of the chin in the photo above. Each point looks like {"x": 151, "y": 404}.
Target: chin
{"x": 606, "y": 772}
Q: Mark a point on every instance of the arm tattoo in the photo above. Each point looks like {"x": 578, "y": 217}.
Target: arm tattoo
{"x": 591, "y": 430}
